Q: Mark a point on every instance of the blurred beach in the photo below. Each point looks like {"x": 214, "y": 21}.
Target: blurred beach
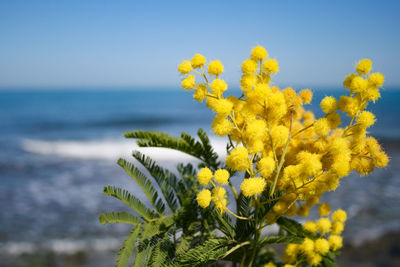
{"x": 58, "y": 149}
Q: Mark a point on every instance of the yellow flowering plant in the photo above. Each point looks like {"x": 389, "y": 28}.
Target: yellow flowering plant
{"x": 283, "y": 157}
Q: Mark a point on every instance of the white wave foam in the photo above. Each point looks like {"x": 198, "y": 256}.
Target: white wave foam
{"x": 108, "y": 149}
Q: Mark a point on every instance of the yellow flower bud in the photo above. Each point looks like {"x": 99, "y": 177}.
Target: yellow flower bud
{"x": 221, "y": 176}
{"x": 364, "y": 66}
{"x": 306, "y": 95}
{"x": 322, "y": 246}
{"x": 324, "y": 209}
{"x": 188, "y": 83}
{"x": 204, "y": 198}
{"x": 271, "y": 66}
{"x": 185, "y": 67}
{"x": 204, "y": 176}
{"x": 329, "y": 104}
{"x": 238, "y": 159}
{"x": 215, "y": 67}
{"x": 249, "y": 66}
{"x": 198, "y": 60}
{"x": 339, "y": 216}
{"x": 376, "y": 79}
{"x": 253, "y": 186}
{"x": 258, "y": 53}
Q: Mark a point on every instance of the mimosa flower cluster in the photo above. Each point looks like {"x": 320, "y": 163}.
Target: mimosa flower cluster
{"x": 327, "y": 238}
{"x": 279, "y": 144}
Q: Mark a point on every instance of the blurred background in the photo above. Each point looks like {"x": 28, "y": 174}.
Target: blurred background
{"x": 75, "y": 75}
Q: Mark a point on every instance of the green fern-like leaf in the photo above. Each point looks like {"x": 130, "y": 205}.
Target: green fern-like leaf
{"x": 129, "y": 200}
{"x": 186, "y": 144}
{"x": 243, "y": 228}
{"x": 210, "y": 251}
{"x": 163, "y": 249}
{"x": 279, "y": 239}
{"x": 126, "y": 251}
{"x": 119, "y": 217}
{"x": 156, "y": 227}
{"x": 145, "y": 184}
{"x": 293, "y": 227}
{"x": 161, "y": 177}
{"x": 225, "y": 223}
{"x": 142, "y": 254}
{"x": 209, "y": 153}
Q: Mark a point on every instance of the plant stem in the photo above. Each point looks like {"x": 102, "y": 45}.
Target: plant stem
{"x": 282, "y": 160}
{"x": 257, "y": 234}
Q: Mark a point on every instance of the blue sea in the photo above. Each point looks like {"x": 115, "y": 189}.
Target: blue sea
{"x": 58, "y": 148}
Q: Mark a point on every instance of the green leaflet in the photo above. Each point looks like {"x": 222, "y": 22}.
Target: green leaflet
{"x": 187, "y": 144}
{"x": 168, "y": 187}
{"x": 118, "y": 217}
{"x": 129, "y": 200}
{"x": 293, "y": 227}
{"x": 145, "y": 184}
{"x": 211, "y": 250}
{"x": 128, "y": 246}
{"x": 279, "y": 239}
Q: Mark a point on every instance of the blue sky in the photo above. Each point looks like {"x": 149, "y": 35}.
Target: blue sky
{"x": 75, "y": 44}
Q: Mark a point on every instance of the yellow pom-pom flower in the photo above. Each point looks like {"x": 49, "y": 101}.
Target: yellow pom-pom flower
{"x": 247, "y": 82}
{"x": 249, "y": 66}
{"x": 200, "y": 93}
{"x": 376, "y": 79}
{"x": 269, "y": 264}
{"x": 339, "y": 216}
{"x": 253, "y": 186}
{"x": 329, "y": 104}
{"x": 303, "y": 211}
{"x": 219, "y": 198}
{"x": 215, "y": 67}
{"x": 324, "y": 225}
{"x": 366, "y": 119}
{"x": 321, "y": 126}
{"x": 256, "y": 129}
{"x": 307, "y": 246}
{"x": 238, "y": 159}
{"x": 314, "y": 259}
{"x": 221, "y": 125}
{"x": 258, "y": 53}
{"x": 358, "y": 84}
{"x": 204, "y": 176}
{"x": 279, "y": 135}
{"x": 321, "y": 246}
{"x": 310, "y": 226}
{"x": 223, "y": 107}
{"x": 266, "y": 166}
{"x": 218, "y": 86}
{"x": 204, "y": 198}
{"x": 185, "y": 67}
{"x": 348, "y": 79}
{"x": 334, "y": 120}
{"x": 337, "y": 228}
{"x": 290, "y": 254}
{"x": 364, "y": 66}
{"x": 280, "y": 207}
{"x": 271, "y": 66}
{"x": 306, "y": 95}
{"x": 335, "y": 242}
{"x": 221, "y": 176}
{"x": 324, "y": 209}
{"x": 198, "y": 60}
{"x": 381, "y": 159}
{"x": 189, "y": 82}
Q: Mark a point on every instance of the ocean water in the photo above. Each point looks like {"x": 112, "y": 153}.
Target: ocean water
{"x": 59, "y": 148}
